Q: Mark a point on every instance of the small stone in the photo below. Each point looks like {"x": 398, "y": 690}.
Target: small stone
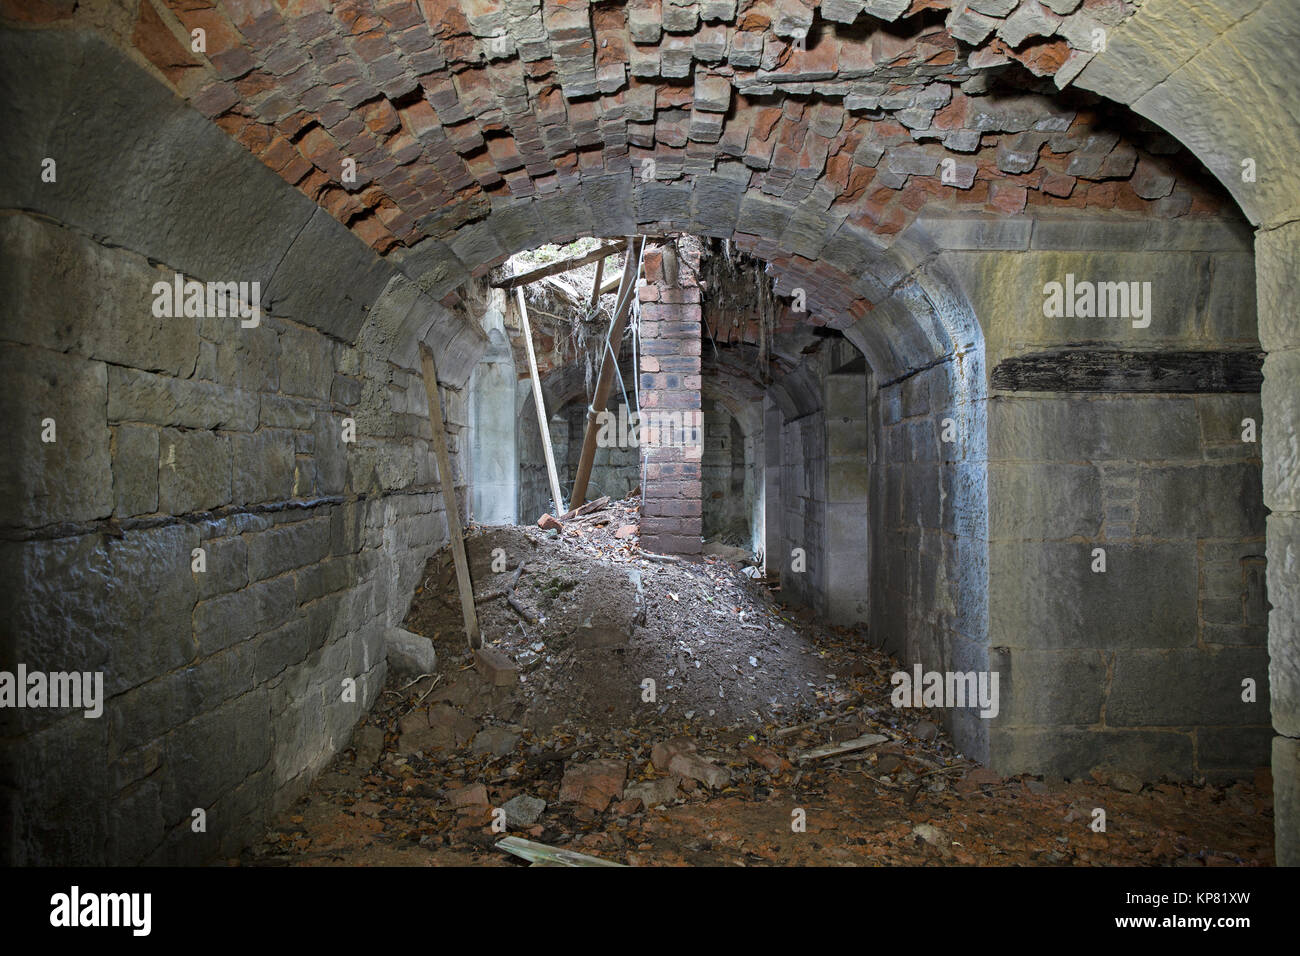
{"x": 497, "y": 669}
{"x": 474, "y": 795}
{"x": 593, "y": 784}
{"x": 925, "y": 730}
{"x": 694, "y": 767}
{"x": 368, "y": 744}
{"x": 888, "y": 763}
{"x": 930, "y": 834}
{"x": 626, "y": 531}
{"x": 523, "y": 810}
{"x": 652, "y": 793}
{"x": 548, "y": 522}
{"x": 768, "y": 759}
{"x": 494, "y": 740}
{"x": 409, "y": 654}
{"x": 1126, "y": 782}
{"x": 442, "y": 728}
{"x": 662, "y": 753}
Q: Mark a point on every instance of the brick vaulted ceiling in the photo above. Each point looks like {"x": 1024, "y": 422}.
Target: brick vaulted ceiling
{"x": 862, "y": 112}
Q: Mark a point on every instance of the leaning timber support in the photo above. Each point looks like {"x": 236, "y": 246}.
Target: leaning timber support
{"x": 450, "y": 506}
{"x": 608, "y": 366}
{"x": 540, "y": 405}
{"x": 564, "y": 265}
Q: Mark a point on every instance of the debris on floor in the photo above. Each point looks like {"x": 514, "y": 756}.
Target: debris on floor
{"x": 632, "y": 709}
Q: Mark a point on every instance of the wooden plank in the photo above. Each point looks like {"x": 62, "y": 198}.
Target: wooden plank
{"x": 449, "y": 503}
{"x": 539, "y": 854}
{"x": 608, "y": 364}
{"x": 847, "y": 747}
{"x": 595, "y": 286}
{"x": 1122, "y": 370}
{"x": 588, "y": 508}
{"x": 564, "y": 265}
{"x": 540, "y": 406}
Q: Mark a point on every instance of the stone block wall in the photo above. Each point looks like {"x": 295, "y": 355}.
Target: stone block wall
{"x": 494, "y": 451}
{"x": 1140, "y": 666}
{"x": 726, "y": 474}
{"x": 534, "y": 488}
{"x": 848, "y": 496}
{"x": 929, "y": 550}
{"x": 1154, "y": 649}
{"x": 201, "y": 529}
{"x": 615, "y": 471}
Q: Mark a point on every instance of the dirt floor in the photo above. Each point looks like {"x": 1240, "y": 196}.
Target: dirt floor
{"x": 710, "y": 765}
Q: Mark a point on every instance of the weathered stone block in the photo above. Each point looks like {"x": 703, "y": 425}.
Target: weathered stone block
{"x": 1187, "y": 687}
{"x": 51, "y": 277}
{"x": 1052, "y": 688}
{"x": 135, "y": 396}
{"x": 1059, "y": 752}
{"x": 195, "y": 771}
{"x": 1284, "y": 622}
{"x": 263, "y": 466}
{"x": 409, "y": 653}
{"x": 288, "y": 546}
{"x": 227, "y": 566}
{"x": 1280, "y": 431}
{"x": 1205, "y": 500}
{"x": 1233, "y": 748}
{"x": 1286, "y": 800}
{"x": 121, "y": 605}
{"x": 193, "y": 471}
{"x": 1046, "y": 595}
{"x": 306, "y": 363}
{"x": 1037, "y": 501}
{"x": 1074, "y": 429}
{"x": 69, "y": 478}
{"x": 135, "y": 470}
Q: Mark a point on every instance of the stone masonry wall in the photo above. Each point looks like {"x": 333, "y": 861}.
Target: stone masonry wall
{"x": 1140, "y": 666}
{"x": 725, "y": 475}
{"x": 930, "y": 580}
{"x": 615, "y": 471}
{"x": 226, "y": 684}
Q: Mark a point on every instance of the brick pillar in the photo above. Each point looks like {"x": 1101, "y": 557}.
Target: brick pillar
{"x": 672, "y": 433}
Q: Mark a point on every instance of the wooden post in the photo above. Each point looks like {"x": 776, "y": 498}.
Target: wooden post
{"x": 540, "y": 406}
{"x": 608, "y": 367}
{"x": 449, "y": 503}
{"x": 595, "y": 286}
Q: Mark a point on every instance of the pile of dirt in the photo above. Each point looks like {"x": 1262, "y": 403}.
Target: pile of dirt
{"x": 767, "y": 737}
{"x": 595, "y": 618}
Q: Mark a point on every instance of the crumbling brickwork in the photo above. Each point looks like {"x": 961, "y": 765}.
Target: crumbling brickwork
{"x": 672, "y": 410}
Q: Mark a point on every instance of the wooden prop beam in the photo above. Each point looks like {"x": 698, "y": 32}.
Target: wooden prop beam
{"x": 608, "y": 366}
{"x": 564, "y": 265}
{"x": 540, "y": 405}
{"x": 449, "y": 504}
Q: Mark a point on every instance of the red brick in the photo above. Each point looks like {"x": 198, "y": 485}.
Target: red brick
{"x": 1007, "y": 197}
